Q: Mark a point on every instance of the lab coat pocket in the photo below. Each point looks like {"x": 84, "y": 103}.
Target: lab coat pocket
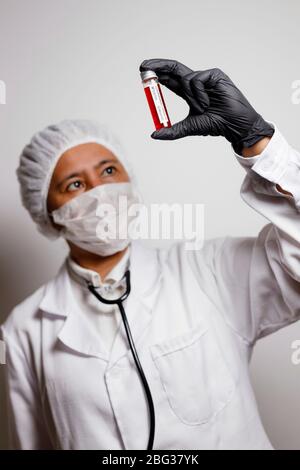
{"x": 194, "y": 375}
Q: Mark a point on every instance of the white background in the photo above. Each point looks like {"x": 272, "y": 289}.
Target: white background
{"x": 79, "y": 59}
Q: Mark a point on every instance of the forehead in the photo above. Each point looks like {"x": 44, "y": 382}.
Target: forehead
{"x": 81, "y": 156}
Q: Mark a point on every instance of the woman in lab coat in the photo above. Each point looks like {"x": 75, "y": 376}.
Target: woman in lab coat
{"x": 195, "y": 315}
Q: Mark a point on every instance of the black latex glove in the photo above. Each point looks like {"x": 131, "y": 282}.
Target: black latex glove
{"x": 217, "y": 107}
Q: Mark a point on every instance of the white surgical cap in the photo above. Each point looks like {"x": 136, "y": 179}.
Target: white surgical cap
{"x": 38, "y": 160}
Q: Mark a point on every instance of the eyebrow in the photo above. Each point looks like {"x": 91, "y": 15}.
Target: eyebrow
{"x": 99, "y": 164}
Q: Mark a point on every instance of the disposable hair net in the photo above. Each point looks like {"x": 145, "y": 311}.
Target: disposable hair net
{"x": 39, "y": 158}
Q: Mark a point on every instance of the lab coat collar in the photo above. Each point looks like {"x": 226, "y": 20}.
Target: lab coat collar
{"x": 55, "y": 300}
{"x": 76, "y": 332}
{"x": 81, "y": 274}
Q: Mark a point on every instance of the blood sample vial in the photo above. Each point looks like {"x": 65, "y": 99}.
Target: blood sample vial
{"x": 155, "y": 99}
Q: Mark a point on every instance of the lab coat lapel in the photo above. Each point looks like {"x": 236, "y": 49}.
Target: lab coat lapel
{"x": 76, "y": 333}
{"x": 145, "y": 273}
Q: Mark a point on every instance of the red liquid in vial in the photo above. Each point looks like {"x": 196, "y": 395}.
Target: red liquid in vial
{"x": 160, "y": 116}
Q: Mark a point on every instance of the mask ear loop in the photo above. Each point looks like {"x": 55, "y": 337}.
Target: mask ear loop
{"x": 119, "y": 301}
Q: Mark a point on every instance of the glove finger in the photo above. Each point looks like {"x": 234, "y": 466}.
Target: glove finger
{"x": 165, "y": 66}
{"x": 198, "y": 88}
{"x": 206, "y": 125}
{"x": 182, "y": 88}
{"x": 174, "y": 76}
{"x": 196, "y": 97}
{"x": 191, "y": 125}
{"x": 172, "y": 84}
{"x": 210, "y": 77}
{"x": 176, "y": 131}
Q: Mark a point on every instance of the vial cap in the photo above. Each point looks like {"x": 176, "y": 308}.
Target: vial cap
{"x": 146, "y": 74}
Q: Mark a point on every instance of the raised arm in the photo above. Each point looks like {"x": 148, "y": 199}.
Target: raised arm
{"x": 254, "y": 281}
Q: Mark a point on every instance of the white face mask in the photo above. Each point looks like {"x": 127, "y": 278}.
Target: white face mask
{"x": 98, "y": 220}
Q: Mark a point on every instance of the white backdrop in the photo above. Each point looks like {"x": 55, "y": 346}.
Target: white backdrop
{"x": 79, "y": 58}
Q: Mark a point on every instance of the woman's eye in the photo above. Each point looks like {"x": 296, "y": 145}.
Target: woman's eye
{"x": 73, "y": 186}
{"x": 109, "y": 170}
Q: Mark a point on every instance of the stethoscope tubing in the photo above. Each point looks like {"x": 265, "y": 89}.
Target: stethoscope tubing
{"x": 133, "y": 350}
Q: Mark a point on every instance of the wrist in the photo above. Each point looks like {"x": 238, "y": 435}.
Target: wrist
{"x": 257, "y": 148}
{"x": 255, "y": 138}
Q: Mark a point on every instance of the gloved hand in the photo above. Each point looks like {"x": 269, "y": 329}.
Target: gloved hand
{"x": 217, "y": 107}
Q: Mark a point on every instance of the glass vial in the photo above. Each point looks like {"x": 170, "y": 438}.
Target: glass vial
{"x": 155, "y": 99}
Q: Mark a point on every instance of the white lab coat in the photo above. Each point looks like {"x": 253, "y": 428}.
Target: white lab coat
{"x": 103, "y": 318}
{"x": 194, "y": 316}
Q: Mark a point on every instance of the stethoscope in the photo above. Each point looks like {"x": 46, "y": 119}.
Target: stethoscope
{"x": 132, "y": 346}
